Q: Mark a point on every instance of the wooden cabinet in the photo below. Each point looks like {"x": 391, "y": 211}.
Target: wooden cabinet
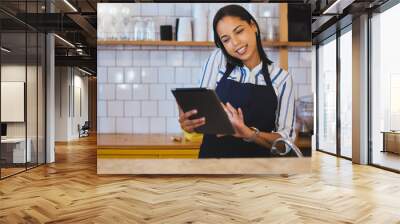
{"x": 391, "y": 142}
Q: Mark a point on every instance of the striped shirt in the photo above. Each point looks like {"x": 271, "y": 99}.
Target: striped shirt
{"x": 282, "y": 82}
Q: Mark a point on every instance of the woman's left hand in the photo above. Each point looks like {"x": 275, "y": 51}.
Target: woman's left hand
{"x": 237, "y": 120}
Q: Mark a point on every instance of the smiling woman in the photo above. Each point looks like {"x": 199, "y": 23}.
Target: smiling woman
{"x": 257, "y": 95}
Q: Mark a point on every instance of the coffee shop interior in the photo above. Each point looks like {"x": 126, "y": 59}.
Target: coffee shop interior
{"x": 86, "y": 86}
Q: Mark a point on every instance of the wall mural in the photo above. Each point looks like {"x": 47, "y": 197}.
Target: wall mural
{"x": 205, "y": 81}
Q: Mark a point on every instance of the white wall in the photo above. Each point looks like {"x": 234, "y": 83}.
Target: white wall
{"x": 12, "y": 73}
{"x": 33, "y": 126}
{"x": 69, "y": 79}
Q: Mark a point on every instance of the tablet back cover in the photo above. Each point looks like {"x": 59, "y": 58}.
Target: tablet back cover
{"x": 208, "y": 105}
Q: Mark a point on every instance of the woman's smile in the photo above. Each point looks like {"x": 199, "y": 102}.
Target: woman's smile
{"x": 242, "y": 50}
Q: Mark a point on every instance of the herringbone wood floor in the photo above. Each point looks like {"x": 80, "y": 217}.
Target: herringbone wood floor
{"x": 69, "y": 191}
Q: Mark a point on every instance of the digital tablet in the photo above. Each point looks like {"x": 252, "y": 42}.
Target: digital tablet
{"x": 208, "y": 105}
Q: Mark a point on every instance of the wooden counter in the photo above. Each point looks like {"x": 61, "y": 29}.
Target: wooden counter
{"x": 141, "y": 154}
{"x": 144, "y": 146}
{"x": 153, "y": 146}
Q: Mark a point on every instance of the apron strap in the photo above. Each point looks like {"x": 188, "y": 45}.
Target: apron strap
{"x": 228, "y": 71}
{"x": 266, "y": 74}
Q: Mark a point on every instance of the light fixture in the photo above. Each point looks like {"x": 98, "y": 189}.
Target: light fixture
{"x": 337, "y": 7}
{"x": 70, "y": 5}
{"x": 5, "y": 50}
{"x": 64, "y": 40}
{"x": 84, "y": 71}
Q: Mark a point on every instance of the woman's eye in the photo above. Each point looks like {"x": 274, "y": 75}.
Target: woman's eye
{"x": 239, "y": 31}
{"x": 225, "y": 40}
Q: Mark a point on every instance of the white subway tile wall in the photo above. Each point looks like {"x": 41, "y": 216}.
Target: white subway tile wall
{"x": 183, "y": 9}
{"x": 143, "y": 93}
{"x": 175, "y": 58}
{"x": 124, "y": 92}
{"x": 132, "y": 108}
{"x": 157, "y": 92}
{"x": 149, "y": 9}
{"x": 115, "y": 75}
{"x": 157, "y": 125}
{"x": 134, "y": 9}
{"x": 124, "y": 125}
{"x": 106, "y": 91}
{"x": 158, "y": 58}
{"x": 106, "y": 58}
{"x": 183, "y": 75}
{"x": 166, "y": 9}
{"x": 115, "y": 109}
{"x": 149, "y": 109}
{"x": 166, "y": 108}
{"x": 150, "y": 75}
{"x": 101, "y": 74}
{"x": 166, "y": 75}
{"x": 106, "y": 125}
{"x": 101, "y": 108}
{"x": 135, "y": 82}
{"x": 141, "y": 125}
{"x": 140, "y": 92}
{"x": 132, "y": 75}
{"x": 141, "y": 58}
{"x": 124, "y": 58}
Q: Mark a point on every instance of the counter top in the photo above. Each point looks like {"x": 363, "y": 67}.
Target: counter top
{"x": 161, "y": 141}
{"x": 143, "y": 141}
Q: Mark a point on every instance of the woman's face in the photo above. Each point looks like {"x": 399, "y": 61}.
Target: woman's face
{"x": 238, "y": 38}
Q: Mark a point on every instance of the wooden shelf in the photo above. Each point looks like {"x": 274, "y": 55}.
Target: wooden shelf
{"x": 195, "y": 43}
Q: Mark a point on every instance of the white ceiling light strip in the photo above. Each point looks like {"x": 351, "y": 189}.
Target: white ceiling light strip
{"x": 337, "y": 7}
{"x": 5, "y": 50}
{"x": 70, "y": 5}
{"x": 65, "y": 41}
{"x": 86, "y": 72}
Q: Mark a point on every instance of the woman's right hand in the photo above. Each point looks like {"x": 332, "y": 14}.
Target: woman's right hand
{"x": 187, "y": 124}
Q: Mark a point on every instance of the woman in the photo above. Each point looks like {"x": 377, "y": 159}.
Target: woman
{"x": 256, "y": 94}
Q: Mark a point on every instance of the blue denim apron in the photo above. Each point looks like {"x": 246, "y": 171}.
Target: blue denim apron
{"x": 258, "y": 103}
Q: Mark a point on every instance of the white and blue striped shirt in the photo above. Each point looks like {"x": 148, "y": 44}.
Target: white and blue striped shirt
{"x": 282, "y": 82}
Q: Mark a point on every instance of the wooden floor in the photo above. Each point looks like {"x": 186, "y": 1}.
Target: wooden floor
{"x": 5, "y": 172}
{"x": 69, "y": 191}
{"x": 387, "y": 159}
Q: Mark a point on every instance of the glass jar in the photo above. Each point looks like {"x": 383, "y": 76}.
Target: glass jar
{"x": 126, "y": 28}
{"x": 139, "y": 30}
{"x": 150, "y": 29}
